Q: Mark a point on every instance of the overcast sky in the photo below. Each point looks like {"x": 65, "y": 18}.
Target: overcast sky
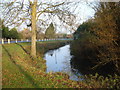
{"x": 83, "y": 12}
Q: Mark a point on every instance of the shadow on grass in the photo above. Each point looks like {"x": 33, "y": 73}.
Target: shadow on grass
{"x": 25, "y": 51}
{"x": 29, "y": 78}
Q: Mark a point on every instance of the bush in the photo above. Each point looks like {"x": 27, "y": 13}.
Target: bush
{"x": 97, "y": 81}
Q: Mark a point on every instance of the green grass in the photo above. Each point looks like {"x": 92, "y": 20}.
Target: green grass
{"x": 19, "y": 70}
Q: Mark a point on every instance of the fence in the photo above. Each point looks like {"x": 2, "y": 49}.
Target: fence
{"x": 8, "y": 41}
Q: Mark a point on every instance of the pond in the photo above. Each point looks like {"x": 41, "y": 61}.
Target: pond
{"x": 59, "y": 61}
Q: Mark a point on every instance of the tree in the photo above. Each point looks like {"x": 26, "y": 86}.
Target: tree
{"x": 83, "y": 28}
{"x": 14, "y": 34}
{"x": 26, "y": 33}
{"x": 64, "y": 35}
{"x": 32, "y": 13}
{"x": 108, "y": 34}
{"x": 99, "y": 41}
{"x": 33, "y": 21}
{"x": 5, "y": 32}
{"x": 50, "y": 32}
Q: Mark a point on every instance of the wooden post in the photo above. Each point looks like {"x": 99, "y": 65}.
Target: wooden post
{"x": 21, "y": 40}
{"x": 2, "y": 41}
{"x": 16, "y": 40}
{"x": 8, "y": 41}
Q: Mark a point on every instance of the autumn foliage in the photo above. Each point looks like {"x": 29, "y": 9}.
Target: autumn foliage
{"x": 98, "y": 43}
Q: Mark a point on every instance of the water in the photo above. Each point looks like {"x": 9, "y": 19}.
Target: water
{"x": 59, "y": 61}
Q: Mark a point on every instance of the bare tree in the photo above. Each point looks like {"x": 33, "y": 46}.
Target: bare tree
{"x": 32, "y": 12}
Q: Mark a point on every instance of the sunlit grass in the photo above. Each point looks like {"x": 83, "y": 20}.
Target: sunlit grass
{"x": 22, "y": 71}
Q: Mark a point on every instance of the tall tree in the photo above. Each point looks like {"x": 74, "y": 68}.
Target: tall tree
{"x": 16, "y": 13}
{"x": 33, "y": 20}
{"x": 99, "y": 40}
{"x": 108, "y": 33}
{"x": 50, "y": 31}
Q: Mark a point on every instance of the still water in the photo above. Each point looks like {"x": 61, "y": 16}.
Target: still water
{"x": 59, "y": 61}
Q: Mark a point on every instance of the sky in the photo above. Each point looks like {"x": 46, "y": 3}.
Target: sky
{"x": 83, "y": 12}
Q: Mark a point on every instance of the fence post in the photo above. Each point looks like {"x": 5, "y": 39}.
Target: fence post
{"x": 2, "y": 41}
{"x": 8, "y": 41}
{"x": 21, "y": 40}
{"x": 16, "y": 40}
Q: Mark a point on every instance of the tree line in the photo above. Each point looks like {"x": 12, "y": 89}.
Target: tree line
{"x": 26, "y": 33}
{"x": 96, "y": 47}
{"x": 10, "y": 33}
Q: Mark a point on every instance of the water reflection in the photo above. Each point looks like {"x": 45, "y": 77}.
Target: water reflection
{"x": 59, "y": 61}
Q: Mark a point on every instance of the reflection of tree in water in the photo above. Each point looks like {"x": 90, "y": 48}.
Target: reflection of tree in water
{"x": 55, "y": 58}
{"x": 51, "y": 52}
{"x": 81, "y": 65}
{"x": 66, "y": 66}
{"x": 72, "y": 72}
{"x": 58, "y": 50}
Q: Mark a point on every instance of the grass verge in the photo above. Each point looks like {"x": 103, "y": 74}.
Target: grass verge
{"x": 21, "y": 71}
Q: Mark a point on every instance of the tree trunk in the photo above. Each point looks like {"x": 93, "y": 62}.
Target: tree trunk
{"x": 33, "y": 20}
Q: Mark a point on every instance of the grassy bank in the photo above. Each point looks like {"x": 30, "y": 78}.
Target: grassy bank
{"x": 21, "y": 71}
